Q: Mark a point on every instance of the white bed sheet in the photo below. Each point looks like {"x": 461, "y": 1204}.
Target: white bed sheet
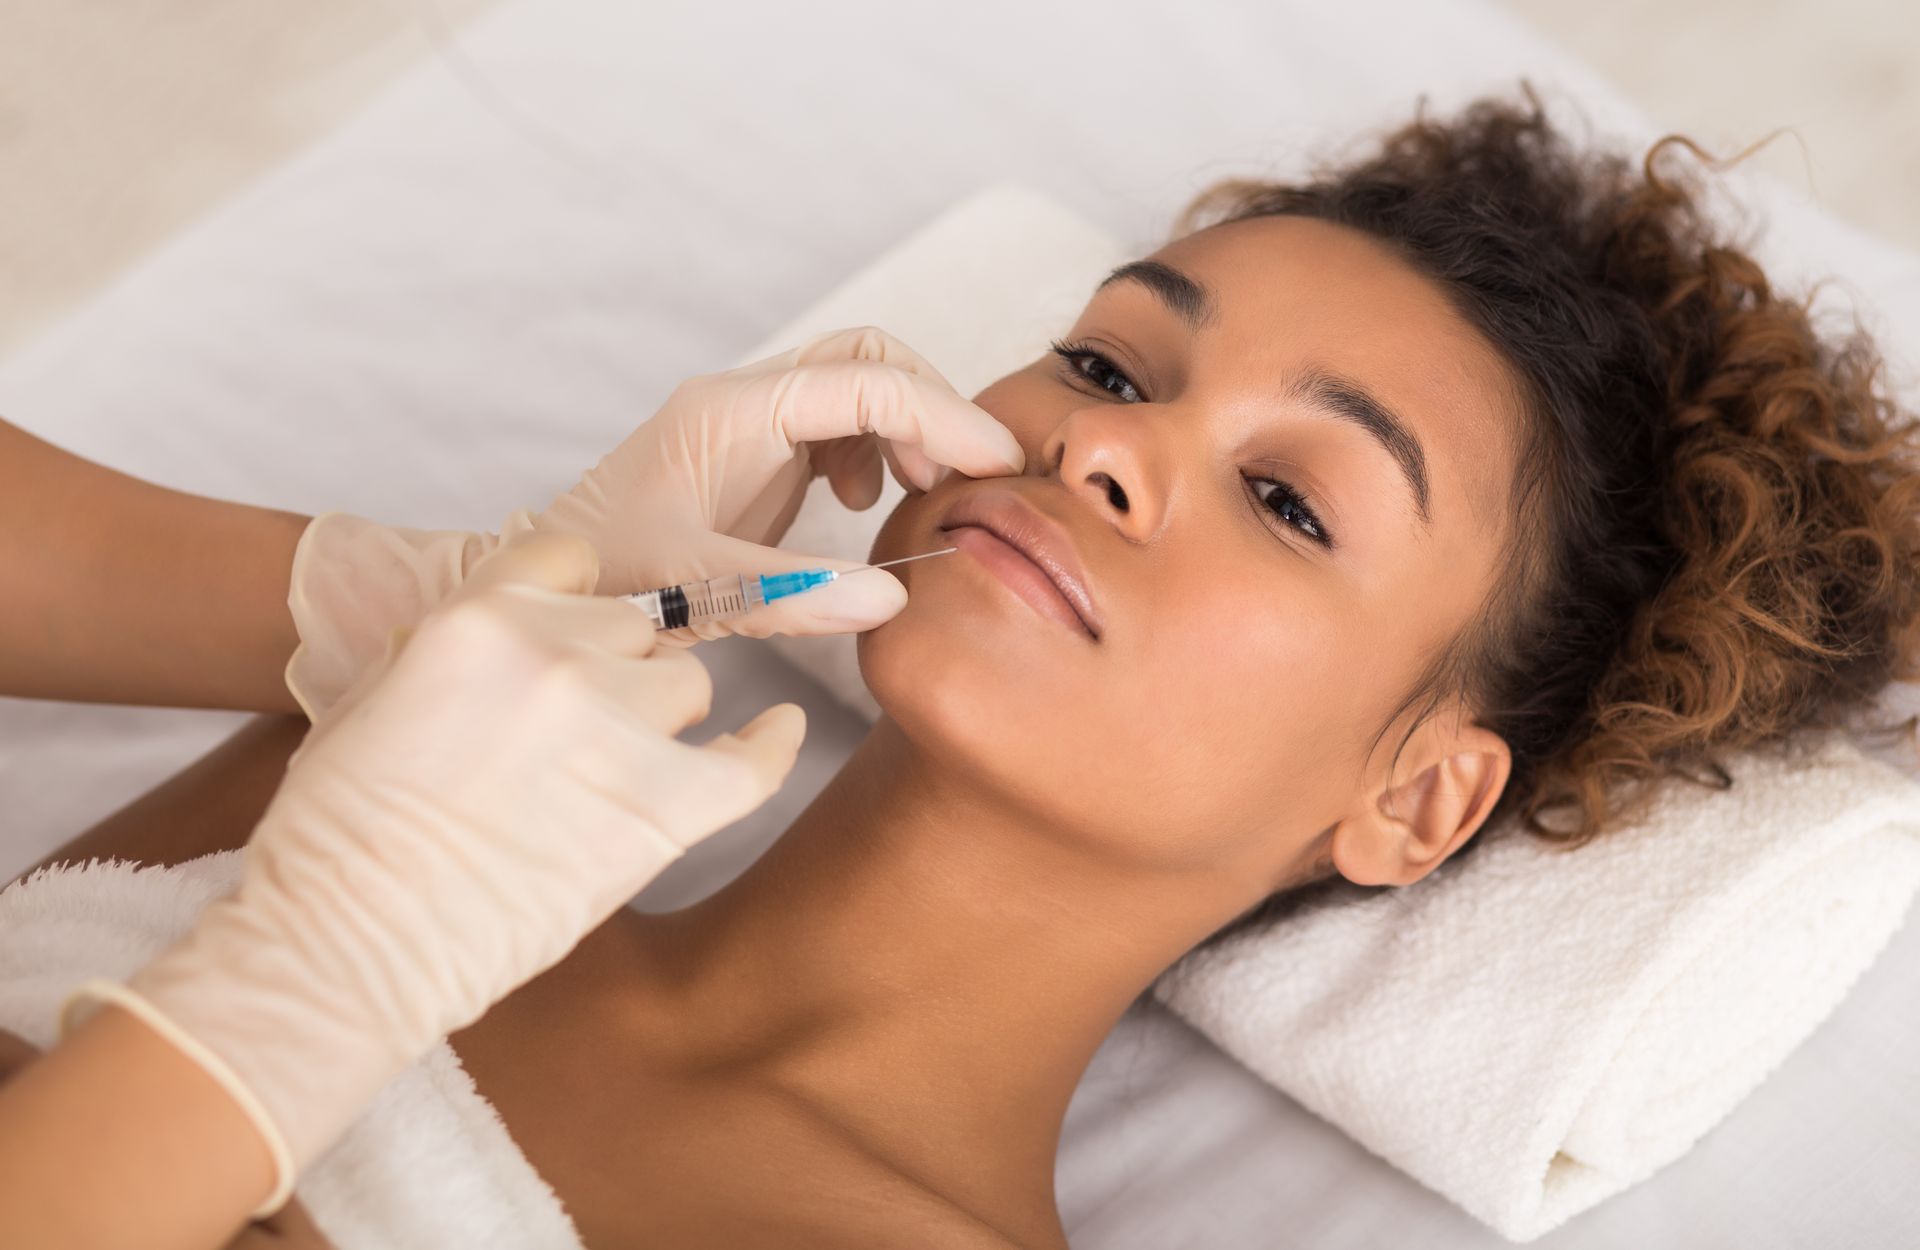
{"x": 446, "y": 310}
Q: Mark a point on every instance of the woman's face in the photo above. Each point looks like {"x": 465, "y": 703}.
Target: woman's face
{"x": 1281, "y": 460}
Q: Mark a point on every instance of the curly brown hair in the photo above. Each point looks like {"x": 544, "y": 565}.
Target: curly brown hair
{"x": 1717, "y": 509}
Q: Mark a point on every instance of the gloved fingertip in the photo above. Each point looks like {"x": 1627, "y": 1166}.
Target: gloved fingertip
{"x": 921, "y": 470}
{"x": 858, "y": 486}
{"x": 780, "y": 725}
{"x": 1012, "y": 454}
{"x": 860, "y": 601}
{"x": 769, "y": 743}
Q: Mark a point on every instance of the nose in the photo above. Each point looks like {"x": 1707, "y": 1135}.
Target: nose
{"x": 1105, "y": 455}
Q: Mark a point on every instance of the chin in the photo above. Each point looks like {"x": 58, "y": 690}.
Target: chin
{"x": 1007, "y": 700}
{"x": 952, "y": 681}
{"x": 967, "y": 657}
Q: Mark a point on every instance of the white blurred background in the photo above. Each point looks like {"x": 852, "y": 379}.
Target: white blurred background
{"x": 123, "y": 120}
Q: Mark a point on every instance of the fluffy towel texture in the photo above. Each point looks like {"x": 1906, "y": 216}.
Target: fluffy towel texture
{"x": 1528, "y": 1031}
{"x": 1525, "y": 1032}
{"x": 429, "y": 1166}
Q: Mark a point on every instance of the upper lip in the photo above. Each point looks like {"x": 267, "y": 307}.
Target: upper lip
{"x": 1004, "y": 513}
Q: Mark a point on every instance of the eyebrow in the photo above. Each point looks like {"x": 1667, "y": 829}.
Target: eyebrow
{"x": 1348, "y": 400}
{"x": 1332, "y": 394}
{"x": 1184, "y": 295}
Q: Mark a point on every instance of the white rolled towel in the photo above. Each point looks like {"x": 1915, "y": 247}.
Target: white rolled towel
{"x": 428, "y": 1166}
{"x": 1528, "y": 1031}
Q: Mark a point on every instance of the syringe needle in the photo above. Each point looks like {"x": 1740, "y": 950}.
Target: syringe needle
{"x": 903, "y": 559}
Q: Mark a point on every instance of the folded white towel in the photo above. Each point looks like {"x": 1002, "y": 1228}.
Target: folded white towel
{"x": 429, "y": 1166}
{"x": 1526, "y": 1032}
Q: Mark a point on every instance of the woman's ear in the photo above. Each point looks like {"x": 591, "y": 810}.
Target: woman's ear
{"x": 1403, "y": 832}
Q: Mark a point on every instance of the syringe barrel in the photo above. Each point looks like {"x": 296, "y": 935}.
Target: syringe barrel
{"x": 692, "y": 603}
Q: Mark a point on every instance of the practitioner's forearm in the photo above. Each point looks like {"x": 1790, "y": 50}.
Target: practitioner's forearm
{"x": 120, "y": 591}
{"x": 116, "y": 1139}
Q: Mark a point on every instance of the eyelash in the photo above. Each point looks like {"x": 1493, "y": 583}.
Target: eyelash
{"x": 1075, "y": 357}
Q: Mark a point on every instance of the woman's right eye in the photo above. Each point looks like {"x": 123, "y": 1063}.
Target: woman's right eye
{"x": 1086, "y": 366}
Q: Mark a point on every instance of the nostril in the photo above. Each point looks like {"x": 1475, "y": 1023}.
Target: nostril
{"x": 1115, "y": 495}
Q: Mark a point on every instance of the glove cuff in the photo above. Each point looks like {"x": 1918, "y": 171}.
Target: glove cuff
{"x": 91, "y": 995}
{"x": 354, "y": 581}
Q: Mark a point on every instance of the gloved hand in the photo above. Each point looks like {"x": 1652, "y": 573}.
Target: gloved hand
{"x": 454, "y": 827}
{"x": 704, "y": 488}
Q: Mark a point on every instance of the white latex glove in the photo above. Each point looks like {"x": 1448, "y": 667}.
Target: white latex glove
{"x": 706, "y": 487}
{"x": 460, "y": 821}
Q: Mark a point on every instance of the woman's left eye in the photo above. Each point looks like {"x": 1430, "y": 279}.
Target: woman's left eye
{"x": 1085, "y": 364}
{"x": 1290, "y": 506}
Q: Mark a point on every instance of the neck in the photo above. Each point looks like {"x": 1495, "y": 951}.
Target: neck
{"x": 918, "y": 958}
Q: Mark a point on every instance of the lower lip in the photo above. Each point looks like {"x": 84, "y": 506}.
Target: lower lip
{"x": 1020, "y": 574}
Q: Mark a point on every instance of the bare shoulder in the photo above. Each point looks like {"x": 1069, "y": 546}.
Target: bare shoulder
{"x": 976, "y": 1235}
{"x": 947, "y": 1225}
{"x": 903, "y": 1207}
{"x": 878, "y": 1219}
{"x": 916, "y": 1213}
{"x": 971, "y": 1232}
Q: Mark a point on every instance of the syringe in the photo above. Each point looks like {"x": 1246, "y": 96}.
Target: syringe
{"x": 735, "y": 594}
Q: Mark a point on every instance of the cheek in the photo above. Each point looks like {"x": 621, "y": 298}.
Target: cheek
{"x": 1244, "y": 709}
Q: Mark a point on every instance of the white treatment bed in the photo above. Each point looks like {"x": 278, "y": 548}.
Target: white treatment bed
{"x": 468, "y": 292}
